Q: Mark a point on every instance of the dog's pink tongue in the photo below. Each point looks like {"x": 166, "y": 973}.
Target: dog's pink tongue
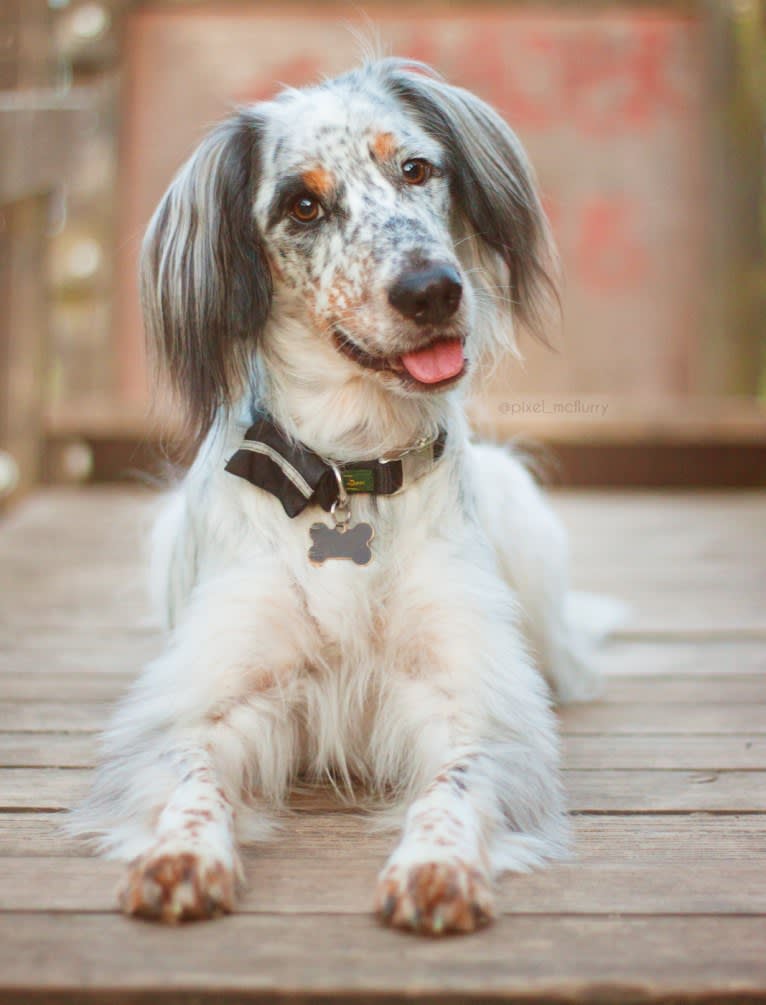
{"x": 437, "y": 362}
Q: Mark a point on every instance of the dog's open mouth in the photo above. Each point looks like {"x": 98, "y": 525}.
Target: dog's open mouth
{"x": 431, "y": 367}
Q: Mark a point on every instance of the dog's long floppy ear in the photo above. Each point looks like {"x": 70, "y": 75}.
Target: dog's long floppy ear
{"x": 505, "y": 234}
{"x": 205, "y": 283}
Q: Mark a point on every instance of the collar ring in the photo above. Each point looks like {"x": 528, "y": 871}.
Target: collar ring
{"x": 340, "y": 510}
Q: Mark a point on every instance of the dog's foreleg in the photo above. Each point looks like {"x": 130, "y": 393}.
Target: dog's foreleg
{"x": 191, "y": 870}
{"x": 205, "y": 743}
{"x": 438, "y": 878}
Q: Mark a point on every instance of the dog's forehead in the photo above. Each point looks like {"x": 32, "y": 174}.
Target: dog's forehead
{"x": 337, "y": 125}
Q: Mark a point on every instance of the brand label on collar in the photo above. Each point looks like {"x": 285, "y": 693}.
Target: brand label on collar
{"x": 358, "y": 480}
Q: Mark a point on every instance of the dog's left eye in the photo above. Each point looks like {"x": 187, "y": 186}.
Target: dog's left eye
{"x": 306, "y": 209}
{"x": 417, "y": 171}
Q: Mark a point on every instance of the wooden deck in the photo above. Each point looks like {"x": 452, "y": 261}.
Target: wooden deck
{"x": 666, "y": 777}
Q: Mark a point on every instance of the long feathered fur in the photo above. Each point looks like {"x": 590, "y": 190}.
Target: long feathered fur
{"x": 419, "y": 678}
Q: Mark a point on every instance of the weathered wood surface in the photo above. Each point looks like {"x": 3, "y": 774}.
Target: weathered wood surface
{"x": 665, "y": 898}
{"x": 706, "y": 752}
{"x": 590, "y": 791}
{"x": 644, "y": 717}
{"x": 315, "y": 957}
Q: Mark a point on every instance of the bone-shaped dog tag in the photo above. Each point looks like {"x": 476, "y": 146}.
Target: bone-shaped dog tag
{"x": 341, "y": 542}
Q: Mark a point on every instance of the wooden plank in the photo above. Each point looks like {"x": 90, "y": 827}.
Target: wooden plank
{"x": 76, "y": 650}
{"x": 686, "y": 688}
{"x": 44, "y": 716}
{"x": 108, "y": 515}
{"x": 601, "y": 839}
{"x": 650, "y": 718}
{"x": 681, "y": 838}
{"x": 54, "y": 750}
{"x": 688, "y": 565}
{"x": 679, "y": 688}
{"x": 41, "y": 788}
{"x": 95, "y": 593}
{"x": 613, "y": 719}
{"x": 630, "y": 752}
{"x": 665, "y": 791}
{"x": 79, "y": 650}
{"x": 719, "y": 528}
{"x": 640, "y": 656}
{"x": 667, "y": 525}
{"x": 106, "y": 536}
{"x": 63, "y": 686}
{"x": 588, "y": 791}
{"x": 584, "y": 752}
{"x": 95, "y": 585}
{"x": 636, "y": 531}
{"x": 329, "y": 958}
{"x": 37, "y": 834}
{"x": 312, "y": 886}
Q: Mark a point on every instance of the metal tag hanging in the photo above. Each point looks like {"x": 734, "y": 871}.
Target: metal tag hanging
{"x": 341, "y": 540}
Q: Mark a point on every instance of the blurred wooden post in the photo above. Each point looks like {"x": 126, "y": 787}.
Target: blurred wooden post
{"x": 23, "y": 324}
{"x": 733, "y": 351}
{"x": 35, "y": 133}
{"x": 25, "y": 62}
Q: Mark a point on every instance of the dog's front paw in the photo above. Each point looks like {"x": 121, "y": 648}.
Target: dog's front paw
{"x": 434, "y": 897}
{"x": 177, "y": 885}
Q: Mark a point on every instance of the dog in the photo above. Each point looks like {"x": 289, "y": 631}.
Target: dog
{"x": 355, "y": 592}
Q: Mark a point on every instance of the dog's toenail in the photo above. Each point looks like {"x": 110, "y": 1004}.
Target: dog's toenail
{"x": 389, "y": 906}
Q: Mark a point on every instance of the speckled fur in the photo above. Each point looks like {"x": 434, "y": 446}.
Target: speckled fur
{"x": 417, "y": 679}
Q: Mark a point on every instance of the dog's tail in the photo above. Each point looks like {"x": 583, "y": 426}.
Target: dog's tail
{"x": 595, "y": 615}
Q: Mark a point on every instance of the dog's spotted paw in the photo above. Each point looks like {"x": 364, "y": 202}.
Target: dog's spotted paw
{"x": 434, "y": 897}
{"x": 175, "y": 886}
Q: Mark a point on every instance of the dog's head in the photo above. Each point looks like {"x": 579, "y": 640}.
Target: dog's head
{"x": 383, "y": 225}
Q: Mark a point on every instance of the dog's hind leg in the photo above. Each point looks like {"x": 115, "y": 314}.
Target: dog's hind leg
{"x": 531, "y": 548}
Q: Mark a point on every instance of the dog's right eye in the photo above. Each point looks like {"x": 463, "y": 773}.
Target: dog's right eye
{"x": 417, "y": 171}
{"x": 306, "y": 209}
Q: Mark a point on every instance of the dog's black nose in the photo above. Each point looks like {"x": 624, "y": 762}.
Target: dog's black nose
{"x": 427, "y": 296}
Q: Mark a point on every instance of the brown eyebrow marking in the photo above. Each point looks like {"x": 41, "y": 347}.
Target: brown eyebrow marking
{"x": 319, "y": 181}
{"x": 384, "y": 146}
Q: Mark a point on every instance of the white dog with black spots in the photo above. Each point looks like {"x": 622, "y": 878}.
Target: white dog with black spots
{"x": 344, "y": 259}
